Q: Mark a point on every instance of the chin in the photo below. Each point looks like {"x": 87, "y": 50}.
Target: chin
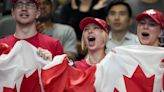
{"x": 143, "y": 42}
{"x": 92, "y": 48}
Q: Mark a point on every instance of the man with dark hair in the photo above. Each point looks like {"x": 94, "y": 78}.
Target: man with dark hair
{"x": 118, "y": 17}
{"x": 65, "y": 33}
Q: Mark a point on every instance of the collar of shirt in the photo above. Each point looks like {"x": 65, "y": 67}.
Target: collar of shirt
{"x": 126, "y": 37}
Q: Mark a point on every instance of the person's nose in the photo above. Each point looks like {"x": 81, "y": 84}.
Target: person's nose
{"x": 117, "y": 17}
{"x": 90, "y": 31}
{"x": 24, "y": 7}
{"x": 145, "y": 26}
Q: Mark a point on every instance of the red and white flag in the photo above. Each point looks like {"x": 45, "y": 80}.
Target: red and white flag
{"x": 130, "y": 69}
{"x": 19, "y": 70}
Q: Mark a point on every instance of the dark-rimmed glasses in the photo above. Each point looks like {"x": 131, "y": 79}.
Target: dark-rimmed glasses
{"x": 29, "y": 5}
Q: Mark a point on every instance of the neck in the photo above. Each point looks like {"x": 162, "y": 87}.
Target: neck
{"x": 95, "y": 57}
{"x": 25, "y": 31}
{"x": 156, "y": 44}
{"x": 118, "y": 35}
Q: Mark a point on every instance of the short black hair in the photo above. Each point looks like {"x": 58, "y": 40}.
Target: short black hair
{"x": 120, "y": 2}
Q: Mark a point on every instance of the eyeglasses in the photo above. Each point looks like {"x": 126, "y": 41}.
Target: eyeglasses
{"x": 28, "y": 5}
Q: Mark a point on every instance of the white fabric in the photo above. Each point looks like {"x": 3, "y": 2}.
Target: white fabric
{"x": 22, "y": 60}
{"x": 110, "y": 71}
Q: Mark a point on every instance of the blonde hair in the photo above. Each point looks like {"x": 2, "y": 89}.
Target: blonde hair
{"x": 83, "y": 44}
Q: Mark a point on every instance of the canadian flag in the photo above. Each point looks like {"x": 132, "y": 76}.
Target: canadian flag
{"x": 133, "y": 68}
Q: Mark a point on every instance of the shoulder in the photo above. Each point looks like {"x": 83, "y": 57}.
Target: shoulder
{"x": 63, "y": 27}
{"x": 47, "y": 38}
{"x": 7, "y": 39}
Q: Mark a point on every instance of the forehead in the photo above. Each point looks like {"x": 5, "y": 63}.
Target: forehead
{"x": 147, "y": 18}
{"x": 119, "y": 7}
{"x": 91, "y": 24}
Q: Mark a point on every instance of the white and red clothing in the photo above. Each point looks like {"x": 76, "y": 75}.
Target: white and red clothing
{"x": 131, "y": 69}
{"x": 39, "y": 40}
{"x": 134, "y": 68}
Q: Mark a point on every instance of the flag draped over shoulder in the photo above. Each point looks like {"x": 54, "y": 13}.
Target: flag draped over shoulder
{"x": 128, "y": 69}
{"x": 131, "y": 69}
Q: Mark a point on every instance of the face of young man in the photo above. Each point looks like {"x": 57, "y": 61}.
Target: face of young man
{"x": 148, "y": 31}
{"x": 118, "y": 18}
{"x": 94, "y": 37}
{"x": 25, "y": 12}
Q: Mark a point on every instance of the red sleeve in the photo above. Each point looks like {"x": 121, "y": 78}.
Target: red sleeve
{"x": 64, "y": 78}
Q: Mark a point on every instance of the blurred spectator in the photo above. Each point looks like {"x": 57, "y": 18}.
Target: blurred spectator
{"x": 1, "y": 8}
{"x": 7, "y": 26}
{"x": 119, "y": 18}
{"x": 7, "y": 4}
{"x": 73, "y": 12}
{"x": 59, "y": 4}
{"x": 65, "y": 33}
{"x": 141, "y": 5}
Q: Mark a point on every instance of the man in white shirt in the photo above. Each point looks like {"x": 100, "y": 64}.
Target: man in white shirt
{"x": 119, "y": 18}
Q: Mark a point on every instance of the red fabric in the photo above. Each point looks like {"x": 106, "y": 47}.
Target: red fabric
{"x": 139, "y": 82}
{"x": 115, "y": 90}
{"x": 4, "y": 48}
{"x": 31, "y": 84}
{"x": 82, "y": 65}
{"x": 64, "y": 78}
{"x": 39, "y": 40}
{"x": 5, "y": 89}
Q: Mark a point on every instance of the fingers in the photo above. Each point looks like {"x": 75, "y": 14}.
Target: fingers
{"x": 45, "y": 54}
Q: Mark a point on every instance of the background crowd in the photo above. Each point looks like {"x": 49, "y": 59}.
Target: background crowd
{"x": 61, "y": 18}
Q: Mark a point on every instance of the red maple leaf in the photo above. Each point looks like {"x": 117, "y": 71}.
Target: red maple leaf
{"x": 139, "y": 82}
{"x": 31, "y": 84}
{"x": 115, "y": 90}
{"x": 6, "y": 89}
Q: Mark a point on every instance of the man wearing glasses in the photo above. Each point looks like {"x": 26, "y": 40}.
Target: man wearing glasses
{"x": 25, "y": 13}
